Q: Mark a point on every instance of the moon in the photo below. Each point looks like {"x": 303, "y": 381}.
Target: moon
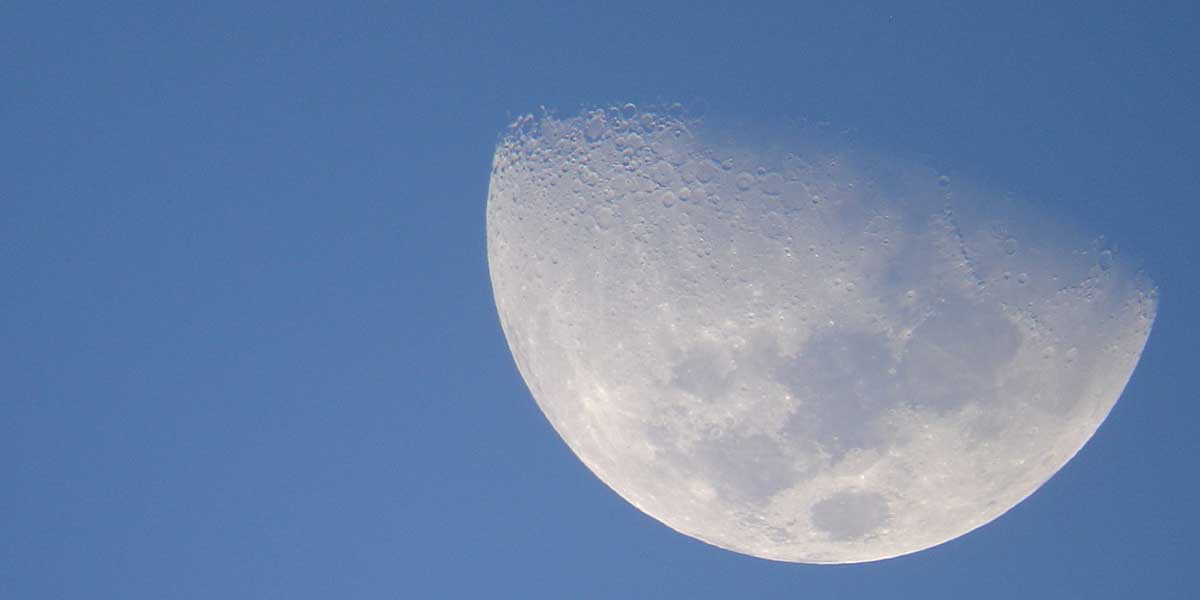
{"x": 792, "y": 348}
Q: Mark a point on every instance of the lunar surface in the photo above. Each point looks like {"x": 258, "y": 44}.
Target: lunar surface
{"x": 793, "y": 349}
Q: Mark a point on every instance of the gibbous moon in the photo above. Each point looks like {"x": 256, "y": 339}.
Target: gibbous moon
{"x": 800, "y": 351}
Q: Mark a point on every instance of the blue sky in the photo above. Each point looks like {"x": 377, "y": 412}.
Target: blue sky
{"x": 247, "y": 337}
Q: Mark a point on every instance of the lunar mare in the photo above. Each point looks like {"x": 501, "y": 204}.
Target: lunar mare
{"x": 801, "y": 353}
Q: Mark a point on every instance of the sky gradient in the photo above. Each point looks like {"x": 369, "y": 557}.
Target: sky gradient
{"x": 247, "y": 334}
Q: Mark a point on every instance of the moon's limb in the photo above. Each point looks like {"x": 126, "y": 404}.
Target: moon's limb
{"x": 803, "y": 356}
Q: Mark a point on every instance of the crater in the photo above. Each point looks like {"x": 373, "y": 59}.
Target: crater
{"x": 851, "y": 514}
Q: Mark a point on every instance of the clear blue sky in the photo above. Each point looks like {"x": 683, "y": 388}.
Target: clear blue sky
{"x": 247, "y": 341}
